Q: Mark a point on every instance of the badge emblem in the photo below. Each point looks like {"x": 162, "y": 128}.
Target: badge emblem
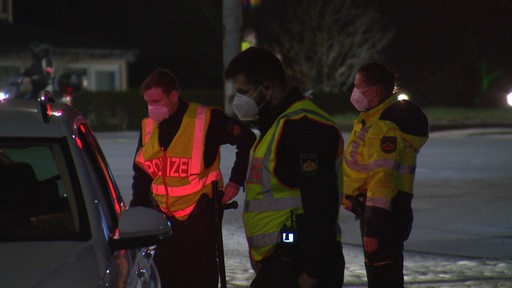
{"x": 309, "y": 164}
{"x": 236, "y": 129}
{"x": 388, "y": 144}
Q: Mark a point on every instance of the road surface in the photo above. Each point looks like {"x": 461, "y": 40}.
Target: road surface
{"x": 462, "y": 234}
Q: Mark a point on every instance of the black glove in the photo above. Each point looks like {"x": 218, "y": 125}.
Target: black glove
{"x": 358, "y": 203}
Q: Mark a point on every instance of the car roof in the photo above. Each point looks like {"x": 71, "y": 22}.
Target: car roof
{"x": 24, "y": 118}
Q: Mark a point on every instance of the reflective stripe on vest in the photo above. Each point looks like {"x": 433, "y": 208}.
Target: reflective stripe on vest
{"x": 274, "y": 204}
{"x": 196, "y": 184}
{"x": 380, "y": 202}
{"x": 199, "y": 131}
{"x": 263, "y": 240}
{"x": 184, "y": 212}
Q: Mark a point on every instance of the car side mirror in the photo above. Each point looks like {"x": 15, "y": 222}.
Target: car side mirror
{"x": 140, "y": 227}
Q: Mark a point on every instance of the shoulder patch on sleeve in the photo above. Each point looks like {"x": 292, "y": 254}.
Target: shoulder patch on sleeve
{"x": 388, "y": 144}
{"x": 235, "y": 129}
{"x": 309, "y": 163}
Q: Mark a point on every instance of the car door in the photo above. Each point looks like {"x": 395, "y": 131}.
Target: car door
{"x": 130, "y": 267}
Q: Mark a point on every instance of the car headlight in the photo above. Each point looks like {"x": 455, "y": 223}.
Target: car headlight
{"x": 509, "y": 99}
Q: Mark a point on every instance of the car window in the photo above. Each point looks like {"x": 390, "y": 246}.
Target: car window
{"x": 40, "y": 198}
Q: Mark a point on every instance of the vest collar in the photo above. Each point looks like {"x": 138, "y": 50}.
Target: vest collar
{"x": 374, "y": 113}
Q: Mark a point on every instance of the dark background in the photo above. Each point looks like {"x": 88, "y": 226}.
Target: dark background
{"x": 450, "y": 52}
{"x": 181, "y": 35}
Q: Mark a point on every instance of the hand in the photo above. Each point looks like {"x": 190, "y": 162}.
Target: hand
{"x": 370, "y": 244}
{"x": 230, "y": 191}
{"x": 305, "y": 281}
{"x": 347, "y": 205}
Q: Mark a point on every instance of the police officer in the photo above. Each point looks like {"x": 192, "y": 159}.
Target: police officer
{"x": 40, "y": 72}
{"x": 292, "y": 190}
{"x": 378, "y": 168}
{"x": 176, "y": 161}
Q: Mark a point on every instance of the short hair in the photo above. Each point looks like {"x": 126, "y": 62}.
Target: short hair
{"x": 376, "y": 73}
{"x": 247, "y": 32}
{"x": 162, "y": 78}
{"x": 258, "y": 65}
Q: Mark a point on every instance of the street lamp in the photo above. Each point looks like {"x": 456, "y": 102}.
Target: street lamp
{"x": 3, "y": 95}
{"x": 403, "y": 96}
{"x": 509, "y": 99}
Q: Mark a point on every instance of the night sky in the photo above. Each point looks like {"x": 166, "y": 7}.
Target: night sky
{"x": 437, "y": 44}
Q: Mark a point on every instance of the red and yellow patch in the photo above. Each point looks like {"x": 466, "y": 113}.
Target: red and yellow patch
{"x": 388, "y": 144}
{"x": 309, "y": 163}
{"x": 236, "y": 130}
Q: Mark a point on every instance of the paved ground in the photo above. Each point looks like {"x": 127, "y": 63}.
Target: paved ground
{"x": 421, "y": 270}
{"x": 462, "y": 207}
{"x": 429, "y": 270}
{"x": 464, "y": 253}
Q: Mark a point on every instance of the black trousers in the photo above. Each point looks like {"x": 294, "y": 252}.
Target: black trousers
{"x": 188, "y": 258}
{"x": 384, "y": 267}
{"x": 389, "y": 272}
{"x": 280, "y": 270}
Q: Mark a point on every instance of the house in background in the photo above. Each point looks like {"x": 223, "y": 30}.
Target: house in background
{"x": 103, "y": 66}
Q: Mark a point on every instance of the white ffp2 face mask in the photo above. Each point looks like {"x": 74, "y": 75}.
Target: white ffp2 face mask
{"x": 158, "y": 113}
{"x": 359, "y": 100}
{"x": 245, "y": 107}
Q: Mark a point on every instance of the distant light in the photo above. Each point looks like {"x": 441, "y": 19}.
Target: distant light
{"x": 403, "y": 97}
{"x": 509, "y": 99}
{"x": 57, "y": 113}
{"x": 3, "y": 96}
{"x": 251, "y": 3}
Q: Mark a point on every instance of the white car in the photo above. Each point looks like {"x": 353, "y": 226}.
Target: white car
{"x": 63, "y": 222}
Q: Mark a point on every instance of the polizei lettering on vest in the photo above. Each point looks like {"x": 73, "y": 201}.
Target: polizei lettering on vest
{"x": 176, "y": 166}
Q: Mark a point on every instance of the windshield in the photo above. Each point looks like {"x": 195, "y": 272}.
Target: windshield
{"x": 40, "y": 198}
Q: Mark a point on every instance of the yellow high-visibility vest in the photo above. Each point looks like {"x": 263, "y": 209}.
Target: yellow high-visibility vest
{"x": 268, "y": 201}
{"x": 379, "y": 159}
{"x": 179, "y": 175}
